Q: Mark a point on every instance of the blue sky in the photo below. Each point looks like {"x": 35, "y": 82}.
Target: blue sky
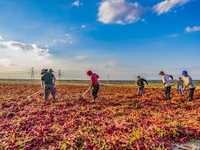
{"x": 122, "y": 38}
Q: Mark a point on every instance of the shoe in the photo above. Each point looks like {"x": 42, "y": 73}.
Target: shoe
{"x": 53, "y": 101}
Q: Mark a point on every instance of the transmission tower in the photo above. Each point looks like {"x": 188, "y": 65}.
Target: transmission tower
{"x": 59, "y": 74}
{"x": 32, "y": 72}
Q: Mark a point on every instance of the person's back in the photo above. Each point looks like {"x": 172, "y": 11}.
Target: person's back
{"x": 47, "y": 78}
{"x": 94, "y": 79}
{"x": 140, "y": 82}
{"x": 48, "y": 84}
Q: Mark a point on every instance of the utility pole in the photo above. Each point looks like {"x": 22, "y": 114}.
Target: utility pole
{"x": 108, "y": 76}
{"x": 32, "y": 73}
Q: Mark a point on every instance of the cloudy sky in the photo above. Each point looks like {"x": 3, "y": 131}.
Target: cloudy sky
{"x": 122, "y": 38}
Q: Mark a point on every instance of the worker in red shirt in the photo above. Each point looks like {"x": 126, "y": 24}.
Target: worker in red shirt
{"x": 94, "y": 84}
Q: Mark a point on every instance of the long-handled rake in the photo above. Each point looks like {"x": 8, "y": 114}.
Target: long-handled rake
{"x": 81, "y": 97}
{"x": 34, "y": 94}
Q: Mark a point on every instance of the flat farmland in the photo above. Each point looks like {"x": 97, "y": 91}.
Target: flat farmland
{"x": 121, "y": 120}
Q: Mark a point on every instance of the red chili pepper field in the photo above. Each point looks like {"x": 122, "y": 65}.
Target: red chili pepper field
{"x": 121, "y": 120}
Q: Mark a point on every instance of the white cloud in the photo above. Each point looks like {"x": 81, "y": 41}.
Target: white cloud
{"x": 81, "y": 57}
{"x": 111, "y": 63}
{"x": 165, "y": 6}
{"x": 17, "y": 46}
{"x": 71, "y": 42}
{"x": 83, "y": 26}
{"x": 173, "y": 35}
{"x": 69, "y": 39}
{"x": 193, "y": 29}
{"x": 119, "y": 12}
{"x": 64, "y": 41}
{"x": 13, "y": 45}
{"x": 77, "y": 3}
{"x": 54, "y": 41}
{"x": 104, "y": 66}
{"x": 39, "y": 52}
{"x": 11, "y": 64}
{"x": 1, "y": 38}
{"x": 68, "y": 35}
{"x": 5, "y": 60}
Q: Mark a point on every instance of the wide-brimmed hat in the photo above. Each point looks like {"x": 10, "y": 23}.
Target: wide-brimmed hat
{"x": 51, "y": 70}
{"x": 42, "y": 71}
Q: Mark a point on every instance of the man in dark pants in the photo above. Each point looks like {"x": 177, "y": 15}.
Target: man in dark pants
{"x": 94, "y": 84}
{"x": 167, "y": 84}
{"x": 140, "y": 83}
{"x": 188, "y": 83}
{"x": 47, "y": 83}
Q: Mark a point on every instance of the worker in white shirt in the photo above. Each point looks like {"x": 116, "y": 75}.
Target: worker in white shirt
{"x": 167, "y": 84}
{"x": 188, "y": 84}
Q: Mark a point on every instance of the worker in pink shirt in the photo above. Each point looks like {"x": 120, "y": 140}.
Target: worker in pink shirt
{"x": 94, "y": 83}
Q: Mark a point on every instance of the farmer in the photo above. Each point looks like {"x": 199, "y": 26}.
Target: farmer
{"x": 42, "y": 71}
{"x": 140, "y": 83}
{"x": 48, "y": 84}
{"x": 167, "y": 84}
{"x": 179, "y": 86}
{"x": 188, "y": 84}
{"x": 94, "y": 84}
{"x": 51, "y": 70}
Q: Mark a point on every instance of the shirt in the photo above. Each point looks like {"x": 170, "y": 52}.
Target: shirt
{"x": 187, "y": 80}
{"x": 47, "y": 78}
{"x": 94, "y": 79}
{"x": 140, "y": 82}
{"x": 165, "y": 79}
{"x": 179, "y": 83}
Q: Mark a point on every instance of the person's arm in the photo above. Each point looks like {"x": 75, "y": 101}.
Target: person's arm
{"x": 91, "y": 82}
{"x": 97, "y": 76}
{"x": 42, "y": 82}
{"x": 54, "y": 80}
{"x": 145, "y": 81}
{"x": 164, "y": 80}
{"x": 171, "y": 77}
{"x": 177, "y": 84}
